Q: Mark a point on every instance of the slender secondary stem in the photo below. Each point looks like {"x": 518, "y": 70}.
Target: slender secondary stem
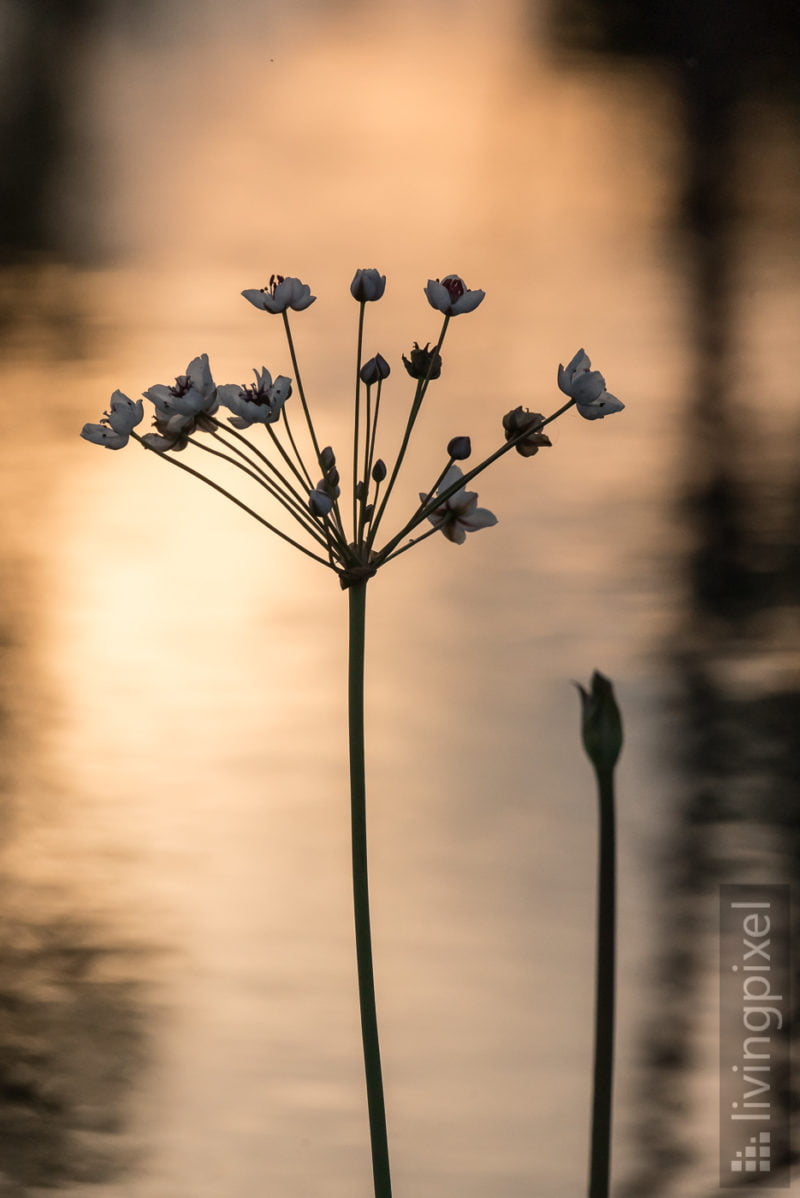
{"x": 357, "y": 418}
{"x": 419, "y": 395}
{"x": 366, "y": 981}
{"x": 172, "y": 461}
{"x": 600, "y": 1157}
{"x": 430, "y": 504}
{"x": 300, "y": 390}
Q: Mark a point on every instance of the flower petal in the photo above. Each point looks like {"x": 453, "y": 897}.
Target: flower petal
{"x": 480, "y": 518}
{"x": 124, "y": 413}
{"x": 101, "y": 434}
{"x": 438, "y": 295}
{"x": 605, "y": 405}
{"x": 257, "y": 297}
{"x": 468, "y": 302}
{"x": 587, "y": 386}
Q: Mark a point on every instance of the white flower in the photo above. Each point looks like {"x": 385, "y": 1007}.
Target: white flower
{"x": 588, "y": 388}
{"x": 192, "y": 394}
{"x": 117, "y": 424}
{"x": 259, "y": 403}
{"x": 180, "y": 408}
{"x": 459, "y": 514}
{"x": 451, "y": 295}
{"x": 281, "y": 294}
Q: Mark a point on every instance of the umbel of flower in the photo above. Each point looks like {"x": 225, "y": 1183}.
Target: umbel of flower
{"x": 281, "y": 294}
{"x": 588, "y": 388}
{"x": 527, "y": 427}
{"x": 452, "y": 296}
{"x": 459, "y": 514}
{"x": 118, "y": 422}
{"x": 367, "y": 285}
{"x": 180, "y": 409}
{"x": 258, "y": 403}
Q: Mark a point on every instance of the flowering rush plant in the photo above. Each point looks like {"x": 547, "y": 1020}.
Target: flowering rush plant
{"x": 251, "y": 428}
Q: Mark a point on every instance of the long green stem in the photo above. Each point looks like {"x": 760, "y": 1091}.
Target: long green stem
{"x": 366, "y": 980}
{"x": 600, "y": 1158}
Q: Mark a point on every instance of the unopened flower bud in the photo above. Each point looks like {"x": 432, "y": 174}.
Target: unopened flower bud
{"x": 327, "y": 458}
{"x": 601, "y": 723}
{"x": 459, "y": 448}
{"x": 423, "y": 363}
{"x": 527, "y": 427}
{"x": 332, "y": 477}
{"x": 379, "y": 471}
{"x": 368, "y": 512}
{"x": 373, "y": 370}
{"x": 327, "y": 486}
{"x": 367, "y": 285}
{"x": 319, "y": 504}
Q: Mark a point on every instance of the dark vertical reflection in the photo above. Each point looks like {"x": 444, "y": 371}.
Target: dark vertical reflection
{"x": 70, "y": 1042}
{"x": 72, "y": 1024}
{"x": 48, "y": 171}
{"x": 72, "y": 1035}
{"x": 44, "y": 46}
{"x": 737, "y": 811}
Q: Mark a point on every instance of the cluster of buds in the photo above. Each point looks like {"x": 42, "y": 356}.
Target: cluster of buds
{"x": 186, "y": 414}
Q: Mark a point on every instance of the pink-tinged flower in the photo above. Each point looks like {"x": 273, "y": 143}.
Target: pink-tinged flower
{"x": 182, "y": 408}
{"x": 588, "y": 388}
{"x": 452, "y": 296}
{"x": 459, "y": 514}
{"x": 193, "y": 394}
{"x": 281, "y": 294}
{"x": 118, "y": 422}
{"x": 367, "y": 285}
{"x": 259, "y": 403}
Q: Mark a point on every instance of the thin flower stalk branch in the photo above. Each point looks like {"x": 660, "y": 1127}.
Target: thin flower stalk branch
{"x": 410, "y": 545}
{"x": 291, "y": 504}
{"x": 422, "y": 513}
{"x": 172, "y": 461}
{"x": 259, "y": 462}
{"x": 357, "y": 417}
{"x": 375, "y": 418}
{"x": 300, "y": 470}
{"x": 262, "y": 457}
{"x": 299, "y": 381}
{"x": 416, "y": 404}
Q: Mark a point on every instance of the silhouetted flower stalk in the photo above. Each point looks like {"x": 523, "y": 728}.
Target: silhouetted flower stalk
{"x": 307, "y": 487}
{"x": 602, "y": 740}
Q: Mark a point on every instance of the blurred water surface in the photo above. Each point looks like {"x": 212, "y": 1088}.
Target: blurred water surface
{"x": 180, "y": 989}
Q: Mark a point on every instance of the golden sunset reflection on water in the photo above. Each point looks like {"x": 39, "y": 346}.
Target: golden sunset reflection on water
{"x": 176, "y": 724}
